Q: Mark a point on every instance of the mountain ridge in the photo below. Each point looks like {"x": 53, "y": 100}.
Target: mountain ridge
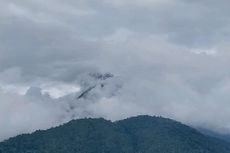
{"x": 146, "y": 134}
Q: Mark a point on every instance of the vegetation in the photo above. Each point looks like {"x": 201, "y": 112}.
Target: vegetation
{"x": 142, "y": 134}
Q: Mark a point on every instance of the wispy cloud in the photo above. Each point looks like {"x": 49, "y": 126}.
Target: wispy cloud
{"x": 168, "y": 57}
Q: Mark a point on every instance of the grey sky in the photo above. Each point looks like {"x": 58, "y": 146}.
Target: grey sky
{"x": 169, "y": 58}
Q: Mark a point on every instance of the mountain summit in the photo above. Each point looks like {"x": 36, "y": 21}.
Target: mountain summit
{"x": 142, "y": 134}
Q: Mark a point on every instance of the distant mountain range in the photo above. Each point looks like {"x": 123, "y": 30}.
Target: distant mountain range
{"x": 225, "y": 137}
{"x": 142, "y": 134}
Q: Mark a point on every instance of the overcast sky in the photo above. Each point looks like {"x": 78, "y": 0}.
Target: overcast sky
{"x": 168, "y": 58}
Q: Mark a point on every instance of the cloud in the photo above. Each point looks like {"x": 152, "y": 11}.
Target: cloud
{"x": 138, "y": 3}
{"x": 165, "y": 62}
{"x": 24, "y": 114}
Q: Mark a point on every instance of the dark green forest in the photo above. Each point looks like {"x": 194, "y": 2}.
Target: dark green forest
{"x": 142, "y": 134}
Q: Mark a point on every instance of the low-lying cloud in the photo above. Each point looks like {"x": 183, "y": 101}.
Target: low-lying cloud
{"x": 165, "y": 61}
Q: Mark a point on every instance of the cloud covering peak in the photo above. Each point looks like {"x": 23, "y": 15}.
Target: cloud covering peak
{"x": 167, "y": 57}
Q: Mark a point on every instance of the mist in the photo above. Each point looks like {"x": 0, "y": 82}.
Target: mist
{"x": 163, "y": 61}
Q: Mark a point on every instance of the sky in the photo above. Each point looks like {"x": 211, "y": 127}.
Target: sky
{"x": 168, "y": 58}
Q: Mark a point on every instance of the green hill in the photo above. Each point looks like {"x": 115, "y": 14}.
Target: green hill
{"x": 142, "y": 134}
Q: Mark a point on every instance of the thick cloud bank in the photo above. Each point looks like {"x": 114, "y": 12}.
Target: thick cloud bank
{"x": 61, "y": 60}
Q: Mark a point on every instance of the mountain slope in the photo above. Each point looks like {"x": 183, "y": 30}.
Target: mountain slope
{"x": 160, "y": 135}
{"x": 143, "y": 134}
{"x": 210, "y": 133}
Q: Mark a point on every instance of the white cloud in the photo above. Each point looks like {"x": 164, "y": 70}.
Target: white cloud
{"x": 19, "y": 114}
{"x": 204, "y": 51}
{"x": 57, "y": 90}
{"x": 138, "y": 3}
{"x": 166, "y": 61}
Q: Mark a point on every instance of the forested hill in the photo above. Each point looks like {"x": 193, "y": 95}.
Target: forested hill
{"x": 142, "y": 134}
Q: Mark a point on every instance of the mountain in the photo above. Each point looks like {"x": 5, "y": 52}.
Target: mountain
{"x": 225, "y": 137}
{"x": 142, "y": 134}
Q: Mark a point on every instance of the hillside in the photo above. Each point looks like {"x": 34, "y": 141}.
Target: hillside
{"x": 142, "y": 134}
{"x": 210, "y": 133}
